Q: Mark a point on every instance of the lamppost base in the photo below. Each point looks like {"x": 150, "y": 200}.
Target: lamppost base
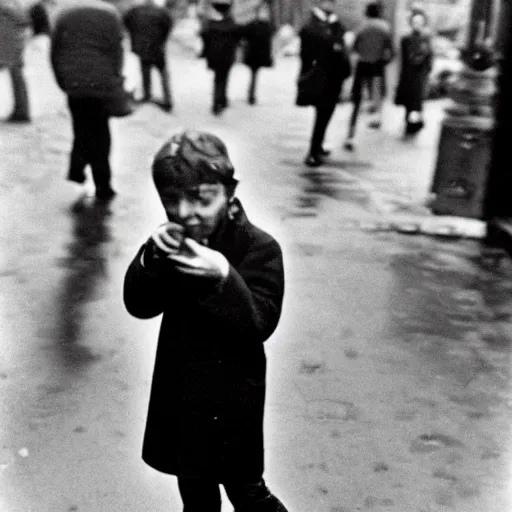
{"x": 464, "y": 154}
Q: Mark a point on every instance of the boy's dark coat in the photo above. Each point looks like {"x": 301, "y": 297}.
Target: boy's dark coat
{"x": 206, "y": 408}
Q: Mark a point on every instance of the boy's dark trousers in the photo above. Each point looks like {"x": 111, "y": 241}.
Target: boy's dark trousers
{"x": 146, "y": 67}
{"x": 91, "y": 144}
{"x": 220, "y": 85}
{"x": 204, "y": 496}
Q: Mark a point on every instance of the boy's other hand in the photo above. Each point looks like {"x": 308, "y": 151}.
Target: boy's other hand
{"x": 164, "y": 242}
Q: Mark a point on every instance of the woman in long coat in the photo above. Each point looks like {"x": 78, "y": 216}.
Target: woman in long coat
{"x": 416, "y": 56}
{"x": 258, "y": 47}
{"x": 324, "y": 66}
{"x": 221, "y": 300}
{"x": 13, "y": 22}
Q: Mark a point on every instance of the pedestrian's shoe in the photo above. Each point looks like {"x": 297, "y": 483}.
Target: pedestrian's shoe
{"x": 349, "y": 145}
{"x": 313, "y": 161}
{"x": 105, "y": 194}
{"x": 414, "y": 128}
{"x": 15, "y": 117}
{"x": 251, "y": 100}
{"x": 217, "y": 109}
{"x": 77, "y": 177}
{"x": 166, "y": 107}
{"x": 324, "y": 152}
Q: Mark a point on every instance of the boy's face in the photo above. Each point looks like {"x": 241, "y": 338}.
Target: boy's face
{"x": 199, "y": 209}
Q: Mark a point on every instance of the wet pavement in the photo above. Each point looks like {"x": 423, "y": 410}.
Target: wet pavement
{"x": 389, "y": 375}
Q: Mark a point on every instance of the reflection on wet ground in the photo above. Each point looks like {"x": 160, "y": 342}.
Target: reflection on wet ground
{"x": 85, "y": 267}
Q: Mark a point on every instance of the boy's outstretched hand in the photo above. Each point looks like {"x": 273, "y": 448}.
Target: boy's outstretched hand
{"x": 201, "y": 261}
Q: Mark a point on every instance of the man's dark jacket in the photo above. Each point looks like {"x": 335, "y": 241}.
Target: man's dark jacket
{"x": 258, "y": 44}
{"x": 149, "y": 27}
{"x": 205, "y": 414}
{"x": 220, "y": 41}
{"x": 319, "y": 40}
{"x": 87, "y": 52}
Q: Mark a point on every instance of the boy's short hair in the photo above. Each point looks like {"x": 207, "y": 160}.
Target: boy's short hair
{"x": 190, "y": 158}
{"x": 374, "y": 10}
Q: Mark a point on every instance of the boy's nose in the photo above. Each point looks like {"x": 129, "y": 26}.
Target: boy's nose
{"x": 185, "y": 209}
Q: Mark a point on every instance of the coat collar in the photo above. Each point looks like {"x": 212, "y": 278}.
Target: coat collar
{"x": 323, "y": 16}
{"x": 229, "y": 234}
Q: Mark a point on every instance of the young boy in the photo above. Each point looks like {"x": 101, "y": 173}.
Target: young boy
{"x": 219, "y": 282}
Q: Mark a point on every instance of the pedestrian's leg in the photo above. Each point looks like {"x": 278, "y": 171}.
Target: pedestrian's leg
{"x": 323, "y": 116}
{"x": 358, "y": 85}
{"x": 252, "y": 86}
{"x": 356, "y": 108}
{"x": 99, "y": 142}
{"x": 379, "y": 100}
{"x": 166, "y": 88}
{"x": 199, "y": 495}
{"x": 19, "y": 87}
{"x": 224, "y": 86}
{"x": 217, "y": 92}
{"x": 78, "y": 158}
{"x": 145, "y": 68}
{"x": 253, "y": 497}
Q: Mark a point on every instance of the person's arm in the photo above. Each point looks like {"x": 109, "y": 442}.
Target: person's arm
{"x": 148, "y": 290}
{"x": 389, "y": 48}
{"x": 250, "y": 298}
{"x": 55, "y": 48}
{"x": 307, "y": 49}
{"x": 430, "y": 56}
{"x": 167, "y": 24}
{"x": 117, "y": 46}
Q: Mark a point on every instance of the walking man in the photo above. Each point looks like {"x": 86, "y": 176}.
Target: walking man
{"x": 221, "y": 36}
{"x": 13, "y": 25}
{"x": 87, "y": 59}
{"x": 374, "y": 48}
{"x": 258, "y": 47}
{"x": 219, "y": 282}
{"x": 324, "y": 67}
{"x": 149, "y": 26}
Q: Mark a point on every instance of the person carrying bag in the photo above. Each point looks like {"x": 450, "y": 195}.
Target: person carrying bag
{"x": 87, "y": 60}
